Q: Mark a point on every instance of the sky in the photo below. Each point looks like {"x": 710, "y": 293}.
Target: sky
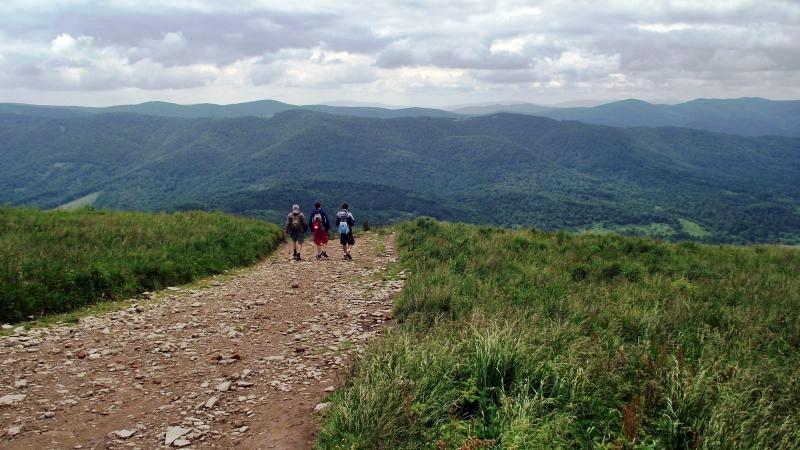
{"x": 404, "y": 52}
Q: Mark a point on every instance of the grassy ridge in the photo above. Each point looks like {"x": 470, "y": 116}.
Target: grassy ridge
{"x": 530, "y": 340}
{"x": 57, "y": 261}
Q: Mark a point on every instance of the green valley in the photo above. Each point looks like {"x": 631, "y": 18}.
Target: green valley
{"x": 504, "y": 169}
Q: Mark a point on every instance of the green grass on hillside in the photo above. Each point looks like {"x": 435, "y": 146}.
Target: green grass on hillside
{"x": 523, "y": 339}
{"x": 53, "y": 262}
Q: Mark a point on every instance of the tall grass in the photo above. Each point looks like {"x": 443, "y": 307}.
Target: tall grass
{"x": 56, "y": 261}
{"x": 535, "y": 340}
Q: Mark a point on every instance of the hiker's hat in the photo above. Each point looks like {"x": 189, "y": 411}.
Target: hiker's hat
{"x": 295, "y": 208}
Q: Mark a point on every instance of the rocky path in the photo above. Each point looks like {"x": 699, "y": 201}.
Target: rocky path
{"x": 236, "y": 363}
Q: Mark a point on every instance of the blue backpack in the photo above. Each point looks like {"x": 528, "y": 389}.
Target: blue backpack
{"x": 344, "y": 228}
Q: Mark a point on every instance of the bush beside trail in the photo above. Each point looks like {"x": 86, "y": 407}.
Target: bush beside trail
{"x": 521, "y": 339}
{"x": 53, "y": 262}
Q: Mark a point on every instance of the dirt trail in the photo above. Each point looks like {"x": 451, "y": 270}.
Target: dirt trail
{"x": 240, "y": 363}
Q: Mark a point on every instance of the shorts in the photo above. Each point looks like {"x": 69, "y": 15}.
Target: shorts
{"x": 320, "y": 236}
{"x": 297, "y": 236}
{"x": 347, "y": 239}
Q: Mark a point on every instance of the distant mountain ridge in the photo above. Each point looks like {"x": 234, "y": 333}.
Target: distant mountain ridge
{"x": 505, "y": 169}
{"x": 260, "y": 108}
{"x": 743, "y": 116}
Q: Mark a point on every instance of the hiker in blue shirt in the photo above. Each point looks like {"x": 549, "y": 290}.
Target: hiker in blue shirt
{"x": 320, "y": 227}
{"x": 345, "y": 221}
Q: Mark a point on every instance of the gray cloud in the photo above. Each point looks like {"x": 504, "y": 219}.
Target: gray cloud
{"x": 553, "y": 49}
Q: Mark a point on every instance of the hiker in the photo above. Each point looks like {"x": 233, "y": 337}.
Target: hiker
{"x": 320, "y": 227}
{"x": 296, "y": 227}
{"x": 346, "y": 222}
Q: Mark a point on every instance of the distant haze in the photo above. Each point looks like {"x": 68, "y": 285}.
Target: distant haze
{"x": 421, "y": 53}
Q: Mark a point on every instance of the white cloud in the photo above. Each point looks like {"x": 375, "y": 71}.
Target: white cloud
{"x": 417, "y": 52}
{"x": 662, "y": 27}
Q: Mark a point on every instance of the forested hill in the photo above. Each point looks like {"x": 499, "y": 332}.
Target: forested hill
{"x": 505, "y": 169}
{"x": 260, "y": 108}
{"x": 744, "y": 116}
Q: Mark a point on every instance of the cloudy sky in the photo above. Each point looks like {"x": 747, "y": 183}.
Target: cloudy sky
{"x": 404, "y": 52}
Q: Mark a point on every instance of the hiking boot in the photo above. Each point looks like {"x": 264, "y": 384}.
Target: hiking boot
{"x": 319, "y": 257}
{"x": 325, "y": 254}
{"x": 349, "y": 257}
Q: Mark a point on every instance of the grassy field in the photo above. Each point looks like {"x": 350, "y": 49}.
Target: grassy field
{"x": 53, "y": 262}
{"x": 521, "y": 339}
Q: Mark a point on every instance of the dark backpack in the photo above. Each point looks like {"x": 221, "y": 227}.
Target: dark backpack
{"x": 296, "y": 223}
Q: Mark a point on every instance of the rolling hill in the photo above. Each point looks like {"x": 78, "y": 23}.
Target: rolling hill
{"x": 260, "y": 108}
{"x": 743, "y": 116}
{"x": 506, "y": 169}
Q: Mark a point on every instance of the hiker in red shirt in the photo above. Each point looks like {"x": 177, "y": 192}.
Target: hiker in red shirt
{"x": 320, "y": 226}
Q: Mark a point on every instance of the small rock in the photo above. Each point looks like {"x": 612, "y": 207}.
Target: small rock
{"x": 174, "y": 433}
{"x": 19, "y": 384}
{"x": 322, "y": 406}
{"x": 138, "y": 308}
{"x": 124, "y": 434}
{"x": 181, "y": 443}
{"x": 244, "y": 383}
{"x": 243, "y": 429}
{"x": 173, "y": 288}
{"x": 80, "y": 354}
{"x": 10, "y": 399}
{"x": 225, "y": 386}
{"x": 295, "y": 285}
{"x": 7, "y": 326}
{"x": 196, "y": 304}
{"x": 48, "y": 415}
{"x": 330, "y": 389}
{"x": 211, "y": 402}
{"x": 274, "y": 358}
{"x": 13, "y": 431}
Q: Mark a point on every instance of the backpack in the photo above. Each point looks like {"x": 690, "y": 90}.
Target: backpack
{"x": 316, "y": 223}
{"x": 317, "y": 217}
{"x": 344, "y": 228}
{"x": 296, "y": 223}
